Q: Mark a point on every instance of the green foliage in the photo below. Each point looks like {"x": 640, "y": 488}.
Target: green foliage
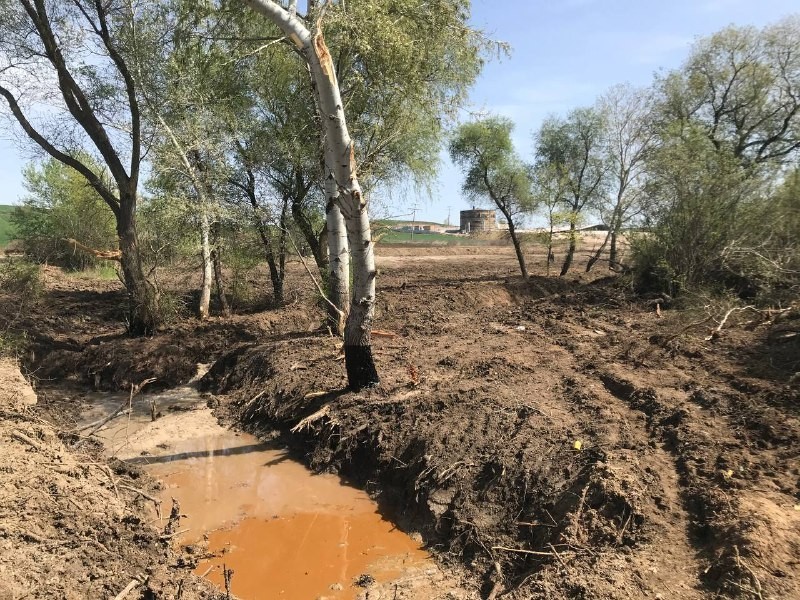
{"x": 242, "y": 258}
{"x": 7, "y": 229}
{"x": 61, "y": 205}
{"x": 700, "y": 191}
{"x": 715, "y": 220}
{"x": 404, "y": 68}
{"x": 21, "y": 278}
{"x": 574, "y": 148}
{"x": 485, "y": 153}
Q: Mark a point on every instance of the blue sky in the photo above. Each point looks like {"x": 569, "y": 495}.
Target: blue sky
{"x": 565, "y": 53}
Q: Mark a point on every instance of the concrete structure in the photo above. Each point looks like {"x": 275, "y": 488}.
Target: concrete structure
{"x": 478, "y": 220}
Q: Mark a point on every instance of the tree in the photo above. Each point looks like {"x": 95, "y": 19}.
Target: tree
{"x": 341, "y": 168}
{"x": 60, "y": 205}
{"x": 403, "y": 71}
{"x": 574, "y": 146}
{"x": 63, "y": 71}
{"x": 629, "y": 136}
{"x": 178, "y": 73}
{"x": 484, "y": 151}
{"x": 728, "y": 126}
{"x": 404, "y": 63}
{"x": 548, "y": 187}
{"x": 743, "y": 86}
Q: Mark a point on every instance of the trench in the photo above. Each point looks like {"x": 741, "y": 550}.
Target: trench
{"x": 247, "y": 506}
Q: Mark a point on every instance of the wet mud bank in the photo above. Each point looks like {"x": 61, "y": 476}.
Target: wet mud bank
{"x": 256, "y": 522}
{"x": 73, "y": 525}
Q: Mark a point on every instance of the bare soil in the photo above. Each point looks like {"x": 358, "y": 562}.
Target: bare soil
{"x": 556, "y": 438}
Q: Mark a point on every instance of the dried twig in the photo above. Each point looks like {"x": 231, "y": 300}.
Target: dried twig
{"x": 523, "y": 551}
{"x": 128, "y": 589}
{"x": 715, "y": 334}
{"x": 169, "y": 536}
{"x": 21, "y": 437}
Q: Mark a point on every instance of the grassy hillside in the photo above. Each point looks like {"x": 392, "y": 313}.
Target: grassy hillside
{"x": 6, "y": 227}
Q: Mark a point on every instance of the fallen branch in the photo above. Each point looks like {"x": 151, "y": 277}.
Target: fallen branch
{"x": 128, "y": 589}
{"x": 21, "y": 437}
{"x": 715, "y": 334}
{"x": 523, "y": 551}
{"x": 168, "y": 536}
{"x": 383, "y": 333}
{"x": 155, "y": 501}
{"x": 104, "y": 254}
{"x": 119, "y": 411}
{"x": 103, "y": 421}
{"x": 312, "y": 418}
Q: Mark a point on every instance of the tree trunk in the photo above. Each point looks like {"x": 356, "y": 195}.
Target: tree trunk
{"x": 143, "y": 313}
{"x": 599, "y": 252}
{"x": 573, "y": 243}
{"x": 613, "y": 263}
{"x": 312, "y": 237}
{"x": 359, "y": 362}
{"x": 550, "y": 256}
{"x": 517, "y": 246}
{"x": 216, "y": 259}
{"x": 205, "y": 253}
{"x": 275, "y": 278}
{"x": 338, "y": 276}
{"x": 361, "y": 371}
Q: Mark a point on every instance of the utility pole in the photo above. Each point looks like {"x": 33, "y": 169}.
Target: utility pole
{"x": 414, "y": 210}
{"x": 448, "y": 217}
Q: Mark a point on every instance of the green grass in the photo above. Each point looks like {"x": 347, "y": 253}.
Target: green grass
{"x": 439, "y": 239}
{"x": 6, "y": 227}
{"x": 105, "y": 272}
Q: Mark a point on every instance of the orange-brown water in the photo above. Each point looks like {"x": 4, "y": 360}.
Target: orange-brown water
{"x": 284, "y": 531}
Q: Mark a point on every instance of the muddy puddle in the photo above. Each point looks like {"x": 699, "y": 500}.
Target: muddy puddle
{"x": 283, "y": 531}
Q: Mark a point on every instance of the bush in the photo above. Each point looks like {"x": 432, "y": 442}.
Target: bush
{"x": 21, "y": 278}
{"x": 61, "y": 205}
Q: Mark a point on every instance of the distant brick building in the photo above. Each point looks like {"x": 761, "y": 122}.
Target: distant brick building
{"x": 478, "y": 220}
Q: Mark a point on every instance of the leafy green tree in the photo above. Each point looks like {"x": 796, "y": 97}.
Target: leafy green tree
{"x": 549, "y": 185}
{"x": 61, "y": 205}
{"x": 698, "y": 191}
{"x": 629, "y": 137}
{"x": 445, "y": 20}
{"x": 742, "y": 86}
{"x": 728, "y": 126}
{"x": 575, "y": 147}
{"x": 82, "y": 101}
{"x": 484, "y": 151}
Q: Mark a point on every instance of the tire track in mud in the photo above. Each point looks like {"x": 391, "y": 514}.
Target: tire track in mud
{"x": 633, "y": 501}
{"x": 744, "y": 539}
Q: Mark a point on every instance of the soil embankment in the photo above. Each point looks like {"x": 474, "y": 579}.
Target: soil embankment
{"x": 71, "y": 525}
{"x": 558, "y": 439}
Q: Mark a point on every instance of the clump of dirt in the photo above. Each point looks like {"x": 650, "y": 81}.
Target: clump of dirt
{"x": 74, "y": 527}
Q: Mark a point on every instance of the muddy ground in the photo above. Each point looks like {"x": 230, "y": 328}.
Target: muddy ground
{"x": 555, "y": 438}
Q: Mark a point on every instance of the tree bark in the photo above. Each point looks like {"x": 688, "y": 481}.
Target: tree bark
{"x": 338, "y": 276}
{"x": 359, "y": 362}
{"x": 517, "y": 246}
{"x": 573, "y": 243}
{"x": 599, "y": 252}
{"x": 216, "y": 259}
{"x": 143, "y": 313}
{"x": 205, "y": 252}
